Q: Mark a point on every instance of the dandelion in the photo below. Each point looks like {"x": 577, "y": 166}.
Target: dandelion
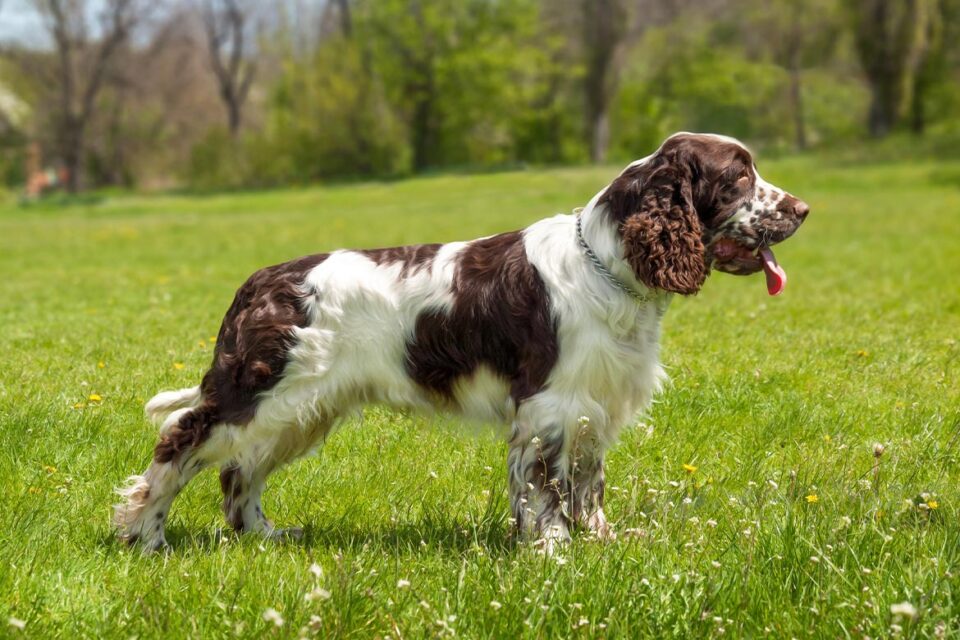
{"x": 101, "y": 364}
{"x": 316, "y": 570}
{"x": 17, "y": 623}
{"x": 403, "y": 583}
{"x": 495, "y": 605}
{"x": 904, "y": 609}
{"x": 932, "y": 504}
{"x": 813, "y": 498}
{"x": 95, "y": 397}
{"x": 272, "y": 615}
{"x": 689, "y": 468}
{"x": 178, "y": 366}
{"x": 862, "y": 353}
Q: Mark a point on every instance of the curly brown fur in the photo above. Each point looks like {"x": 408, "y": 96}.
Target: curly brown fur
{"x": 662, "y": 243}
{"x": 662, "y": 234}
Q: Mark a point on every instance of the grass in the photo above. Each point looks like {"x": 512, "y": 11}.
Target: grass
{"x": 789, "y": 526}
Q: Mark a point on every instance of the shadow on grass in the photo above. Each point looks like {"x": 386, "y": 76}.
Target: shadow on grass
{"x": 433, "y": 532}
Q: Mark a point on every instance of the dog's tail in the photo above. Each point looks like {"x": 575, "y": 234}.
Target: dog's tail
{"x": 166, "y": 402}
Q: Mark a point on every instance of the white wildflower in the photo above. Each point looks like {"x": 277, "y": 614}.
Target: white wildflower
{"x": 317, "y": 594}
{"x": 403, "y": 583}
{"x": 17, "y": 623}
{"x": 316, "y": 570}
{"x": 904, "y": 609}
{"x": 272, "y": 615}
{"x": 495, "y": 605}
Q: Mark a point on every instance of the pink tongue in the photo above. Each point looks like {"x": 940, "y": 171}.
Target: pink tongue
{"x": 776, "y": 276}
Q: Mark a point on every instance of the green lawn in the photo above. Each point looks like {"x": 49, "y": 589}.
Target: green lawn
{"x": 785, "y": 528}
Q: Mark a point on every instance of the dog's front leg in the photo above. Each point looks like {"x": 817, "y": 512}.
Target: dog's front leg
{"x": 539, "y": 487}
{"x": 587, "y": 486}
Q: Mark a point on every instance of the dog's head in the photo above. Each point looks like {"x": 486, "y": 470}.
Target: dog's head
{"x": 697, "y": 203}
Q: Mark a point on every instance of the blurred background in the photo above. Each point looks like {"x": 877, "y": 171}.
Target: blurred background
{"x": 227, "y": 94}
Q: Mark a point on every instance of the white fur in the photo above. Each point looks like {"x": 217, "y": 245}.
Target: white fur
{"x": 352, "y": 352}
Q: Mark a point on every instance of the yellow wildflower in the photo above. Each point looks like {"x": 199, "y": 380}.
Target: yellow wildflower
{"x": 35, "y": 490}
{"x": 813, "y": 498}
{"x": 95, "y": 397}
{"x": 212, "y": 338}
{"x": 101, "y": 364}
{"x": 79, "y": 405}
{"x": 863, "y": 353}
{"x": 49, "y": 468}
{"x": 689, "y": 468}
{"x": 178, "y": 366}
{"x": 933, "y": 504}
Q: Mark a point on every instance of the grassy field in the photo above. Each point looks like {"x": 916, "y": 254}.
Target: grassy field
{"x": 789, "y": 525}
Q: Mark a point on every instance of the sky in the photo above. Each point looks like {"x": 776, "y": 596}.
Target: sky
{"x": 19, "y": 22}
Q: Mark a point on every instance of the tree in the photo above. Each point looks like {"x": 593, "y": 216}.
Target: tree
{"x": 891, "y": 37}
{"x": 604, "y": 30}
{"x": 81, "y": 67}
{"x": 227, "y": 24}
{"x": 797, "y": 34}
{"x": 932, "y": 64}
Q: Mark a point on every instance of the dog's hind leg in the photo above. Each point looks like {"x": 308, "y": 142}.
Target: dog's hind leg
{"x": 191, "y": 439}
{"x": 244, "y": 478}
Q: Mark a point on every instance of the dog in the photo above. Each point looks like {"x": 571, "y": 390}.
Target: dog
{"x": 552, "y": 331}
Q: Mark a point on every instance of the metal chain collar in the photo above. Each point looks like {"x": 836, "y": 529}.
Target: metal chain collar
{"x": 639, "y": 298}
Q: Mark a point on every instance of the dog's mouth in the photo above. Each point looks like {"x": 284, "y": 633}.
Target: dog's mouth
{"x": 730, "y": 256}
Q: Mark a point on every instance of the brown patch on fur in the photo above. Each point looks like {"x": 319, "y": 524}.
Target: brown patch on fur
{"x": 412, "y": 258}
{"x": 665, "y": 207}
{"x": 231, "y": 483}
{"x": 250, "y": 355}
{"x": 500, "y": 318}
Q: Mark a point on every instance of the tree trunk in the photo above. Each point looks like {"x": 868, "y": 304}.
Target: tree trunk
{"x": 600, "y": 135}
{"x": 72, "y": 153}
{"x": 604, "y": 26}
{"x": 422, "y": 132}
{"x": 891, "y": 36}
{"x": 233, "y": 116}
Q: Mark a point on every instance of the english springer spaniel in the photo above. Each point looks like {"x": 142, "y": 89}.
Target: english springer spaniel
{"x": 552, "y": 331}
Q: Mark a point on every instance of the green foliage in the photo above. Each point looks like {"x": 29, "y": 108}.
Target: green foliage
{"x": 861, "y": 348}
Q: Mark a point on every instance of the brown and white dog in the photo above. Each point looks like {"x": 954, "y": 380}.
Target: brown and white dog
{"x": 552, "y": 331}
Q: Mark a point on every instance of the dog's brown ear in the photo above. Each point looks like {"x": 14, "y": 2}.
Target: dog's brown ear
{"x": 660, "y": 228}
